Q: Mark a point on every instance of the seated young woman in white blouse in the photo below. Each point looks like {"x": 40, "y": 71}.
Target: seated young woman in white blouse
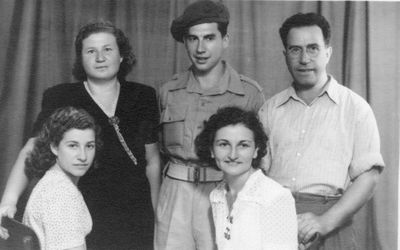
{"x": 63, "y": 152}
{"x": 250, "y": 210}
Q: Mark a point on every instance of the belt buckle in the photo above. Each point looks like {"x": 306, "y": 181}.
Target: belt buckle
{"x": 196, "y": 175}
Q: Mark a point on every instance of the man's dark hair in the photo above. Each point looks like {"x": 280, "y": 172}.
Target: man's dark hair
{"x": 302, "y": 20}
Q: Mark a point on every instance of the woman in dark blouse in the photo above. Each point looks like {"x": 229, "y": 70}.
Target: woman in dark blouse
{"x": 123, "y": 190}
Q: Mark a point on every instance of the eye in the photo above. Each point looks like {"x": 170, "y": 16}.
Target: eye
{"x": 72, "y": 145}
{"x": 313, "y": 49}
{"x": 295, "y": 51}
{"x": 190, "y": 38}
{"x": 108, "y": 49}
{"x": 91, "y": 146}
{"x": 90, "y": 51}
{"x": 209, "y": 38}
{"x": 222, "y": 144}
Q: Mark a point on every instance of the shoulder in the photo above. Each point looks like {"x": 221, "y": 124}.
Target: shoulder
{"x": 274, "y": 101}
{"x": 177, "y": 81}
{"x": 64, "y": 88}
{"x": 138, "y": 87}
{"x": 53, "y": 188}
{"x": 267, "y": 191}
{"x": 250, "y": 83}
{"x": 352, "y": 101}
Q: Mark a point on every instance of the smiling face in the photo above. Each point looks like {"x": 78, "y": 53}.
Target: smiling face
{"x": 234, "y": 150}
{"x": 100, "y": 56}
{"x": 75, "y": 152}
{"x": 205, "y": 45}
{"x": 307, "y": 56}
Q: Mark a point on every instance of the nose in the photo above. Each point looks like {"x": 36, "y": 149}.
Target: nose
{"x": 233, "y": 154}
{"x": 82, "y": 155}
{"x": 304, "y": 57}
{"x": 200, "y": 47}
{"x": 100, "y": 56}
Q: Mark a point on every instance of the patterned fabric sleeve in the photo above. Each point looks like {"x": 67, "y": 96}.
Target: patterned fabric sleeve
{"x": 279, "y": 223}
{"x": 63, "y": 220}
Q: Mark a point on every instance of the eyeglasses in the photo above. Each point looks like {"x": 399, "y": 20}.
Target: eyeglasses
{"x": 295, "y": 51}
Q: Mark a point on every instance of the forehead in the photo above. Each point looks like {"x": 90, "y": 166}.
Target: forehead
{"x": 100, "y": 38}
{"x": 305, "y": 35}
{"x": 203, "y": 29}
{"x": 237, "y": 132}
{"x": 80, "y": 135}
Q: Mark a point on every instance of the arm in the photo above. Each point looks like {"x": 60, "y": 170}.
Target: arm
{"x": 352, "y": 200}
{"x": 153, "y": 171}
{"x": 16, "y": 184}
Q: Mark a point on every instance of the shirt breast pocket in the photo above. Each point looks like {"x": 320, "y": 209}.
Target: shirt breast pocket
{"x": 173, "y": 123}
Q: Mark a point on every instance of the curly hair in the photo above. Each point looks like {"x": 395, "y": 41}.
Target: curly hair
{"x": 302, "y": 20}
{"x": 225, "y": 117}
{"x": 124, "y": 47}
{"x": 52, "y": 132}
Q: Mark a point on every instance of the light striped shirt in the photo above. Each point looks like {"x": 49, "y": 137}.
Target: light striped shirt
{"x": 321, "y": 147}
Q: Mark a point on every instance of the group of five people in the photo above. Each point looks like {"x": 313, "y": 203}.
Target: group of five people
{"x": 233, "y": 182}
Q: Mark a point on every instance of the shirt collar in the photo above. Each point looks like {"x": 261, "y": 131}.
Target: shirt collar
{"x": 330, "y": 90}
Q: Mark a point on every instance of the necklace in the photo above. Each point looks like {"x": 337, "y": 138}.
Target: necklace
{"x": 109, "y": 110}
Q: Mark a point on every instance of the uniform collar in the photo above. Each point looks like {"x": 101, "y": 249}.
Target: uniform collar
{"x": 230, "y": 81}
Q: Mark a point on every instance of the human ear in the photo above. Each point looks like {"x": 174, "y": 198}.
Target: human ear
{"x": 255, "y": 153}
{"x": 54, "y": 149}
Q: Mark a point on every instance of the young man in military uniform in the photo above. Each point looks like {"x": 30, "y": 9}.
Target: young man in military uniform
{"x": 184, "y": 219}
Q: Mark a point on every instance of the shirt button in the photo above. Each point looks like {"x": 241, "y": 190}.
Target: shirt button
{"x": 303, "y": 131}
{"x": 298, "y": 154}
{"x": 293, "y": 179}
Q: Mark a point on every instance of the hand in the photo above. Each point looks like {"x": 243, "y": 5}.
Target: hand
{"x": 310, "y": 226}
{"x": 9, "y": 211}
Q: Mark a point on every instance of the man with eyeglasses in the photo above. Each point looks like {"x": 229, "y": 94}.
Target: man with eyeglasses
{"x": 323, "y": 139}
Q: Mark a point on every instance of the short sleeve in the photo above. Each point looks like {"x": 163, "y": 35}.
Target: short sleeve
{"x": 366, "y": 144}
{"x": 64, "y": 223}
{"x": 279, "y": 222}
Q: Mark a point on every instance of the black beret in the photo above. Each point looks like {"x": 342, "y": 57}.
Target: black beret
{"x": 204, "y": 11}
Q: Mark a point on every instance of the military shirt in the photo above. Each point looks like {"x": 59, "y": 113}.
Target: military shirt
{"x": 185, "y": 107}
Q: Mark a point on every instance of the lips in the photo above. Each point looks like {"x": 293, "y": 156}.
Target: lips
{"x": 101, "y": 67}
{"x": 201, "y": 59}
{"x": 305, "y": 70}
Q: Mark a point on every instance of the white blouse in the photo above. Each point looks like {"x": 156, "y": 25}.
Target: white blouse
{"x": 57, "y": 212}
{"x": 262, "y": 217}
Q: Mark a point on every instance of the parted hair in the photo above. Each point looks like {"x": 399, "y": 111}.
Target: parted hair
{"x": 124, "y": 47}
{"x": 52, "y": 132}
{"x": 226, "y": 117}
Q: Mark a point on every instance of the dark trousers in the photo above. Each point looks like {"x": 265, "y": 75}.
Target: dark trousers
{"x": 342, "y": 238}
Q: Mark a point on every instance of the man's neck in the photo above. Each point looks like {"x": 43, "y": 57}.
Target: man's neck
{"x": 308, "y": 95}
{"x": 210, "y": 79}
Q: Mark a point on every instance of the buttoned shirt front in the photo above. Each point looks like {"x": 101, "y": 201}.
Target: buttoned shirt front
{"x": 320, "y": 148}
{"x": 185, "y": 107}
{"x": 262, "y": 217}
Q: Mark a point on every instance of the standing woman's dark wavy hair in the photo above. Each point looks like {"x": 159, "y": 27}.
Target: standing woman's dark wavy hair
{"x": 52, "y": 132}
{"x": 124, "y": 47}
{"x": 226, "y": 117}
